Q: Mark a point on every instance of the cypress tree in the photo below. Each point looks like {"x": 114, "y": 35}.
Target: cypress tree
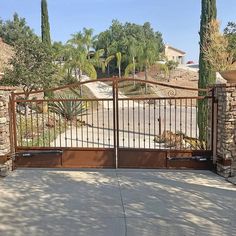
{"x": 206, "y": 74}
{"x": 45, "y": 27}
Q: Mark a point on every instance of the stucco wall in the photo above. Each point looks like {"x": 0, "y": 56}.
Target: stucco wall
{"x": 174, "y": 55}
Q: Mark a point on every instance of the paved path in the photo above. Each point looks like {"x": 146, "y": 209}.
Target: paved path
{"x": 116, "y": 203}
{"x": 138, "y": 127}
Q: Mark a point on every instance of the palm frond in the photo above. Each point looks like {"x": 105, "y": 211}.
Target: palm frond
{"x": 118, "y": 57}
{"x": 109, "y": 59}
{"x": 129, "y": 69}
{"x": 90, "y": 70}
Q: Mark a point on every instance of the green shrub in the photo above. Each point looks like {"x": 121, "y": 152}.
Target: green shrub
{"x": 69, "y": 106}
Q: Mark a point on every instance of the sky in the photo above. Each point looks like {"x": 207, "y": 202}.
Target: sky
{"x": 177, "y": 20}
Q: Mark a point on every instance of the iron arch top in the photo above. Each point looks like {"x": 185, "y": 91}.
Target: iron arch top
{"x": 115, "y": 81}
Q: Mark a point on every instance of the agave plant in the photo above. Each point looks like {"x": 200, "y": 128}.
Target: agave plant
{"x": 68, "y": 106}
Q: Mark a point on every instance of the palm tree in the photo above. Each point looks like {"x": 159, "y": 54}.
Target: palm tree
{"x": 147, "y": 57}
{"x": 134, "y": 50}
{"x": 107, "y": 63}
{"x": 104, "y": 40}
{"x": 77, "y": 57}
{"x": 88, "y": 40}
{"x": 58, "y": 52}
{"x": 118, "y": 58}
{"x": 97, "y": 59}
{"x": 76, "y": 39}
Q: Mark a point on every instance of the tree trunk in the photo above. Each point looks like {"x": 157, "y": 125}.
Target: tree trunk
{"x": 76, "y": 75}
{"x": 108, "y": 70}
{"x": 134, "y": 70}
{"x": 119, "y": 72}
{"x": 146, "y": 78}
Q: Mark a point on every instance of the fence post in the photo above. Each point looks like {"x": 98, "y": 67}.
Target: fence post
{"x": 5, "y": 139}
{"x": 225, "y": 140}
{"x": 214, "y": 131}
{"x": 115, "y": 119}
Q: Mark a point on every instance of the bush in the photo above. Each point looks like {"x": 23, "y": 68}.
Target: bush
{"x": 68, "y": 105}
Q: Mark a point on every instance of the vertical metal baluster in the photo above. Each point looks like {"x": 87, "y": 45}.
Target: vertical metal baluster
{"x": 65, "y": 121}
{"x": 60, "y": 131}
{"x": 170, "y": 124}
{"x": 208, "y": 113}
{"x": 154, "y": 121}
{"x": 54, "y": 130}
{"x": 71, "y": 135}
{"x": 92, "y": 124}
{"x": 98, "y": 125}
{"x": 207, "y": 116}
{"x": 76, "y": 128}
{"x": 32, "y": 126}
{"x": 116, "y": 102}
{"x": 159, "y": 115}
{"x": 186, "y": 117}
{"x": 191, "y": 118}
{"x": 175, "y": 128}
{"x": 81, "y": 127}
{"x": 196, "y": 119}
{"x": 165, "y": 122}
{"x": 49, "y": 131}
{"x": 133, "y": 126}
{"x": 139, "y": 124}
{"x": 128, "y": 124}
{"x": 21, "y": 134}
{"x": 149, "y": 125}
{"x": 180, "y": 119}
{"x": 43, "y": 124}
{"x": 109, "y": 133}
{"x": 103, "y": 125}
{"x": 87, "y": 124}
{"x": 37, "y": 124}
{"x": 26, "y": 123}
{"x": 123, "y": 123}
{"x": 144, "y": 128}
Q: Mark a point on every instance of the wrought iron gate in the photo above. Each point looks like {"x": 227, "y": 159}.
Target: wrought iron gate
{"x": 148, "y": 131}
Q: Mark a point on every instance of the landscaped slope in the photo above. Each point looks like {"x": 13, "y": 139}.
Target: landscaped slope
{"x": 6, "y": 53}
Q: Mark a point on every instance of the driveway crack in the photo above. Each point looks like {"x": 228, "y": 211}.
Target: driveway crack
{"x": 122, "y": 203}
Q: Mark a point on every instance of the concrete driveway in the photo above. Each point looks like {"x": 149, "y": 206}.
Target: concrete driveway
{"x": 123, "y": 203}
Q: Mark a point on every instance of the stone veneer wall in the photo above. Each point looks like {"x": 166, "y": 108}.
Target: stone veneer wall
{"x": 5, "y": 143}
{"x": 226, "y": 130}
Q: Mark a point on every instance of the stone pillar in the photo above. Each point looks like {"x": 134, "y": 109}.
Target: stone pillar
{"x": 225, "y": 95}
{"x": 5, "y": 146}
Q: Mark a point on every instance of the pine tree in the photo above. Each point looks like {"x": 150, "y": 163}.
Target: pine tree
{"x": 206, "y": 74}
{"x": 45, "y": 27}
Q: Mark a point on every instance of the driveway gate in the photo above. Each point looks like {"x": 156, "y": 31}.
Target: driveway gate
{"x": 111, "y": 130}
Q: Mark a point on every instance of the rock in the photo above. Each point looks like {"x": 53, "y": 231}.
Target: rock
{"x": 6, "y": 168}
{"x": 3, "y": 120}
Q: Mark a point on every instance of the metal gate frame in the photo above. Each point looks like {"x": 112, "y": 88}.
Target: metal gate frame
{"x": 116, "y": 157}
{"x": 165, "y": 158}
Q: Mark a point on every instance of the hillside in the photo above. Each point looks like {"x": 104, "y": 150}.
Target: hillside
{"x": 6, "y": 52}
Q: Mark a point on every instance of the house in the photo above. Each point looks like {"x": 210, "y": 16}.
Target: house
{"x": 174, "y": 54}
